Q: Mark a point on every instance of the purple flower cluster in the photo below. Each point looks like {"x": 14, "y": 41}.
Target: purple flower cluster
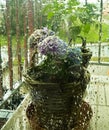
{"x": 53, "y": 46}
{"x": 38, "y": 36}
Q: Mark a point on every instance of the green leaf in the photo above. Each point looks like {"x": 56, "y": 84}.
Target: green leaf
{"x": 86, "y": 28}
{"x": 74, "y": 31}
{"x": 50, "y": 15}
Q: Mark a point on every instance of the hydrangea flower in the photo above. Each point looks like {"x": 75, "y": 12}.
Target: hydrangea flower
{"x": 52, "y": 46}
{"x": 74, "y": 56}
{"x": 38, "y": 36}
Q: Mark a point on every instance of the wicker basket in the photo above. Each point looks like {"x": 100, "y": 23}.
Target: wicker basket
{"x": 54, "y": 103}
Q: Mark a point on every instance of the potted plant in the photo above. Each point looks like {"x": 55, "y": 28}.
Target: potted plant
{"x": 57, "y": 83}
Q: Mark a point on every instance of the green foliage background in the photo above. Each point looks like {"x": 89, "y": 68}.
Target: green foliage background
{"x": 67, "y": 19}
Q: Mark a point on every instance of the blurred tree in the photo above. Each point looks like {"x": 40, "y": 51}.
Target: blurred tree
{"x": 12, "y": 6}
{"x": 2, "y": 20}
{"x": 18, "y": 40}
{"x": 70, "y": 19}
{"x": 30, "y": 17}
{"x": 9, "y": 41}
{"x": 1, "y": 76}
{"x": 25, "y": 37}
{"x": 85, "y": 2}
{"x": 67, "y": 18}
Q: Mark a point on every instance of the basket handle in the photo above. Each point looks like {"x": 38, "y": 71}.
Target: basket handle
{"x": 32, "y": 58}
{"x": 86, "y": 53}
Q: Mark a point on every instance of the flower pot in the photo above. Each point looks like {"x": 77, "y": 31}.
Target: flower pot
{"x": 57, "y": 101}
{"x": 54, "y": 103}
